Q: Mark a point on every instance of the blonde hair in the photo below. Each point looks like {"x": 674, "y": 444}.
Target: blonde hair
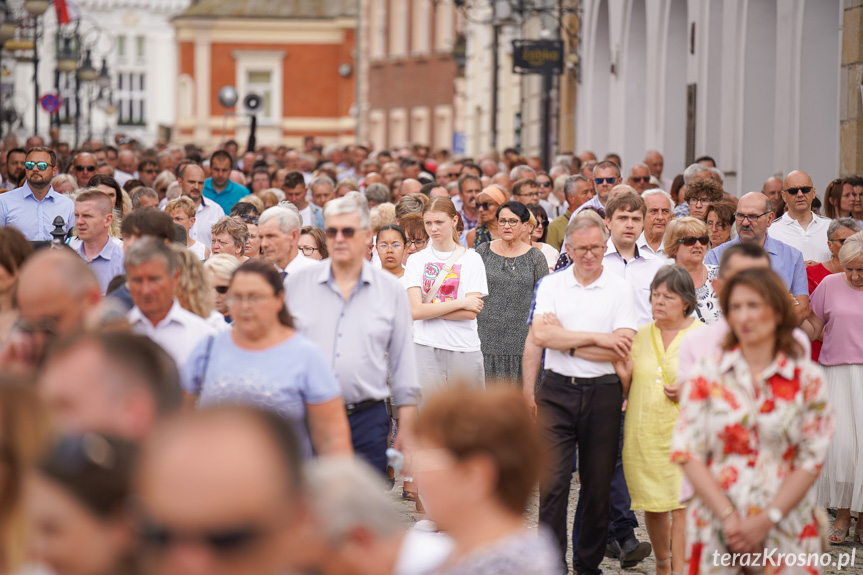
{"x": 679, "y": 228}
{"x": 852, "y": 249}
{"x": 193, "y": 290}
{"x": 181, "y": 204}
{"x": 382, "y": 215}
{"x": 445, "y": 206}
{"x": 256, "y": 201}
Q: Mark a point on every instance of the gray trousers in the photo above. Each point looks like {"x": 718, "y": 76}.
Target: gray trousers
{"x": 441, "y": 369}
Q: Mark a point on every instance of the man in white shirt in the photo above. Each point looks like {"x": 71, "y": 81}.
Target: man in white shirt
{"x": 279, "y": 231}
{"x": 152, "y": 273}
{"x": 191, "y": 180}
{"x": 585, "y": 316}
{"x": 606, "y": 176}
{"x": 625, "y": 220}
{"x": 660, "y": 210}
{"x": 126, "y": 165}
{"x": 799, "y": 227}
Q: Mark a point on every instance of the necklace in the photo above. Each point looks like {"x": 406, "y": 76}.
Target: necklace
{"x": 830, "y": 267}
{"x": 437, "y": 255}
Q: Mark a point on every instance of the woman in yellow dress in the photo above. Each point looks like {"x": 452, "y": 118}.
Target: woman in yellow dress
{"x": 654, "y": 481}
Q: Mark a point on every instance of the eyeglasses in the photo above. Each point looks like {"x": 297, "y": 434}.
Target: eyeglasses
{"x": 387, "y": 247}
{"x": 486, "y": 205}
{"x": 717, "y": 225}
{"x": 702, "y": 200}
{"x": 308, "y": 250}
{"x": 689, "y": 241}
{"x": 600, "y": 181}
{"x": 417, "y": 243}
{"x": 251, "y": 299}
{"x": 544, "y": 184}
{"x": 511, "y": 223}
{"x": 226, "y": 541}
{"x": 594, "y": 250}
{"x": 85, "y": 168}
{"x": 750, "y": 217}
{"x": 841, "y": 242}
{"x": 795, "y": 191}
{"x": 642, "y": 179}
{"x": 347, "y": 233}
{"x": 38, "y": 165}
{"x": 221, "y": 289}
{"x": 250, "y": 219}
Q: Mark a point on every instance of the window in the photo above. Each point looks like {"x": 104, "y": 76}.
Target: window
{"x": 140, "y": 45}
{"x": 378, "y": 15}
{"x": 131, "y": 98}
{"x": 398, "y": 127}
{"x": 121, "y": 47}
{"x": 421, "y": 24}
{"x": 399, "y": 29}
{"x": 261, "y": 83}
{"x": 444, "y": 20}
{"x": 420, "y": 126}
{"x": 260, "y": 72}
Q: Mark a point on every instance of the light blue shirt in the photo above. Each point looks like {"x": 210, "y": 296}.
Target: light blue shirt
{"x": 20, "y": 209}
{"x": 232, "y": 194}
{"x": 784, "y": 259}
{"x": 283, "y": 378}
{"x": 107, "y": 263}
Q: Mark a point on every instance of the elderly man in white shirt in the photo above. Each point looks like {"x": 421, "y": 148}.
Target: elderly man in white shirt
{"x": 660, "y": 210}
{"x": 279, "y": 231}
{"x": 152, "y": 272}
{"x": 799, "y": 227}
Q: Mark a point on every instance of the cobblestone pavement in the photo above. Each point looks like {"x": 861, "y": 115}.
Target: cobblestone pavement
{"x": 410, "y": 516}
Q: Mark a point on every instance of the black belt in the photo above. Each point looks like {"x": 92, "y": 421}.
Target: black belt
{"x": 601, "y": 380}
{"x": 353, "y": 408}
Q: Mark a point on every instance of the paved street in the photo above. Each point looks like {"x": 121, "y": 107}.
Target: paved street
{"x": 648, "y": 566}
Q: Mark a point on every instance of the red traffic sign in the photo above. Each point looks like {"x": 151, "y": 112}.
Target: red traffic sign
{"x": 50, "y": 103}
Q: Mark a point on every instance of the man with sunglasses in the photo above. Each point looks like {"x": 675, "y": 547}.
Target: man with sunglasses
{"x": 753, "y": 218}
{"x": 83, "y": 168}
{"x": 639, "y": 177}
{"x": 606, "y": 175}
{"x": 799, "y": 227}
{"x": 33, "y": 207}
{"x": 221, "y": 492}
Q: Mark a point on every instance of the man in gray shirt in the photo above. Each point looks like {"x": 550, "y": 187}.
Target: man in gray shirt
{"x": 360, "y": 318}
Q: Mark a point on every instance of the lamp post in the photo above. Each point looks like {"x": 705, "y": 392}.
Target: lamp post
{"x": 36, "y": 8}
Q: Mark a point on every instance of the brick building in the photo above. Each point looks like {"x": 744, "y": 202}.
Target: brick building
{"x": 298, "y": 56}
{"x": 410, "y": 86}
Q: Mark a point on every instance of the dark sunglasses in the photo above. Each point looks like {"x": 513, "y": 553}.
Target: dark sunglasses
{"x": 795, "y": 191}
{"x": 600, "y": 181}
{"x": 85, "y": 168}
{"x": 486, "y": 205}
{"x": 689, "y": 241}
{"x": 227, "y": 541}
{"x": 347, "y": 233}
{"x": 841, "y": 242}
{"x": 37, "y": 165}
{"x": 221, "y": 289}
{"x": 642, "y": 179}
{"x": 544, "y": 184}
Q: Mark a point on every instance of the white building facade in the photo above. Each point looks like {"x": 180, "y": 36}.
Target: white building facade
{"x": 137, "y": 40}
{"x": 755, "y": 84}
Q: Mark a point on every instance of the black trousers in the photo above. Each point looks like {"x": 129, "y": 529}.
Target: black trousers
{"x": 583, "y": 414}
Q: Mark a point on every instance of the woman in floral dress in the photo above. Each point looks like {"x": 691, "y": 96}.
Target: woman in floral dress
{"x": 752, "y": 436}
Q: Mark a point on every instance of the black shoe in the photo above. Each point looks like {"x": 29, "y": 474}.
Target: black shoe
{"x": 612, "y": 550}
{"x": 633, "y": 551}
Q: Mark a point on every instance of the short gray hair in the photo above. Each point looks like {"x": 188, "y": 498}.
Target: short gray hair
{"x": 289, "y": 219}
{"x": 222, "y": 265}
{"x": 347, "y": 493}
{"x": 569, "y": 184}
{"x": 678, "y": 281}
{"x": 586, "y": 219}
{"x": 147, "y": 249}
{"x": 321, "y": 181}
{"x": 839, "y": 223}
{"x": 378, "y": 193}
{"x": 658, "y": 192}
{"x": 142, "y": 192}
{"x": 515, "y": 173}
{"x": 350, "y": 203}
{"x": 693, "y": 170}
{"x": 852, "y": 250}
{"x": 638, "y": 165}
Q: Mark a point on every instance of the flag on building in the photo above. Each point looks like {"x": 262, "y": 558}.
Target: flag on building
{"x": 67, "y": 11}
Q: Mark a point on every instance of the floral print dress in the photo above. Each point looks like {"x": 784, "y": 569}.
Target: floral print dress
{"x": 751, "y": 437}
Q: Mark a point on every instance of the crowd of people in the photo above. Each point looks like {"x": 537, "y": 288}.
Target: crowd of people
{"x": 216, "y": 362}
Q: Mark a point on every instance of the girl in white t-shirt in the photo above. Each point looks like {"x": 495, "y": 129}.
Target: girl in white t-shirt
{"x": 445, "y": 331}
{"x": 182, "y": 211}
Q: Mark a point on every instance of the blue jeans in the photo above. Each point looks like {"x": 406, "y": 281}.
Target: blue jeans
{"x": 622, "y": 521}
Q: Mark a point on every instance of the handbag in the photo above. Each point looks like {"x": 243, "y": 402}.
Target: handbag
{"x": 447, "y": 266}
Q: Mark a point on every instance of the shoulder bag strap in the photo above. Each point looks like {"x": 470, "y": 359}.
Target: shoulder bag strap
{"x": 456, "y": 254}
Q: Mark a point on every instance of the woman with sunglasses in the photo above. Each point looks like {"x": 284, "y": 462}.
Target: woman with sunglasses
{"x": 264, "y": 362}
{"x": 538, "y": 227}
{"x": 487, "y": 202}
{"x": 686, "y": 241}
{"x": 77, "y": 502}
{"x": 220, "y": 268}
{"x": 390, "y": 244}
{"x": 512, "y": 268}
{"x": 446, "y": 284}
{"x": 415, "y": 232}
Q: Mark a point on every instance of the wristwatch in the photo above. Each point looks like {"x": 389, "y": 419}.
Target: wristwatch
{"x": 572, "y": 351}
{"x": 774, "y": 515}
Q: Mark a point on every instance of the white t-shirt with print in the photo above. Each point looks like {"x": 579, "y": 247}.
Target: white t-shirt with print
{"x": 466, "y": 276}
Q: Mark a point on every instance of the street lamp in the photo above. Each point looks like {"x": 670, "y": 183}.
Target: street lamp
{"x": 104, "y": 79}
{"x": 36, "y": 7}
{"x": 67, "y": 61}
{"x": 87, "y": 73}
